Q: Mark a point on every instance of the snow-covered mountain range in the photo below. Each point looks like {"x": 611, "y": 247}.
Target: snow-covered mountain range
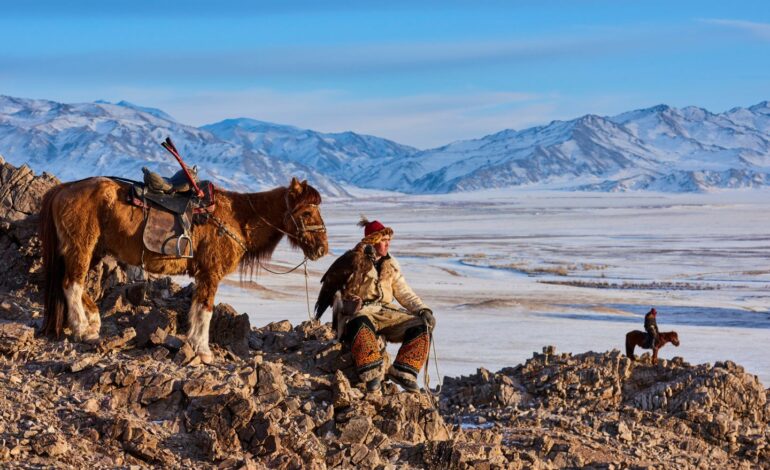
{"x": 659, "y": 148}
{"x": 73, "y": 141}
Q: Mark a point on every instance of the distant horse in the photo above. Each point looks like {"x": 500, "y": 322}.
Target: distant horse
{"x": 82, "y": 221}
{"x": 639, "y": 338}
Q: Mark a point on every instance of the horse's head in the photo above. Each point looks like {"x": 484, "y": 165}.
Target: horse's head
{"x": 303, "y": 222}
{"x": 674, "y": 338}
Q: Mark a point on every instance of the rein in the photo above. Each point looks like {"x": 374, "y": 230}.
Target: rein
{"x": 432, "y": 396}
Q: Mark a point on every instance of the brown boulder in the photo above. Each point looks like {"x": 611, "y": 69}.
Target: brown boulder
{"x": 230, "y": 330}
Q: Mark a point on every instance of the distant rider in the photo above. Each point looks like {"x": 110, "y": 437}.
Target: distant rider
{"x": 651, "y": 327}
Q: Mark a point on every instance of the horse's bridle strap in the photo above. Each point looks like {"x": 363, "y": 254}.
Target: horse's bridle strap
{"x": 223, "y": 228}
{"x": 301, "y": 227}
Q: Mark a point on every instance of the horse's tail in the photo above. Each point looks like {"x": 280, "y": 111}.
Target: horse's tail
{"x": 53, "y": 268}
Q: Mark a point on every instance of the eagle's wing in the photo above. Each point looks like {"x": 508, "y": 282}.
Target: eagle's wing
{"x": 336, "y": 279}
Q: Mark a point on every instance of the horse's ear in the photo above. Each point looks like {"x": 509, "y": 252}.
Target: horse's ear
{"x": 295, "y": 187}
{"x": 304, "y": 184}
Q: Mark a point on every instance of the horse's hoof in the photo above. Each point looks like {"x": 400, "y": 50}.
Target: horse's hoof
{"x": 206, "y": 357}
{"x": 91, "y": 335}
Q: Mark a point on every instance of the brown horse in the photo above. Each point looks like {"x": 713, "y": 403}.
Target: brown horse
{"x": 639, "y": 338}
{"x": 83, "y": 220}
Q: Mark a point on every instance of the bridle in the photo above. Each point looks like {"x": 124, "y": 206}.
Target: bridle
{"x": 300, "y": 227}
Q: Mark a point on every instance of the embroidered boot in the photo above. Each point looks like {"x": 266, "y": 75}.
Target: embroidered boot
{"x": 410, "y": 359}
{"x": 365, "y": 350}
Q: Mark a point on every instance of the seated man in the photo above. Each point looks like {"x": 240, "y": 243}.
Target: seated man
{"x": 370, "y": 277}
{"x": 651, "y": 327}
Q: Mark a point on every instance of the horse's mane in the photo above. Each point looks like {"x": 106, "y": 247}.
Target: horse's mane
{"x": 255, "y": 255}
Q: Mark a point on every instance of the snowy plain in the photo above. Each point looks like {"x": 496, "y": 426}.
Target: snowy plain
{"x": 510, "y": 271}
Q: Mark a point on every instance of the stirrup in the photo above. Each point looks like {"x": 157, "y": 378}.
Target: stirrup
{"x": 179, "y": 246}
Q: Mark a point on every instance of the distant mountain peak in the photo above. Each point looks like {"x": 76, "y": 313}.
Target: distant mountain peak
{"x": 761, "y": 107}
{"x": 659, "y": 108}
{"x": 659, "y": 148}
{"x": 145, "y": 109}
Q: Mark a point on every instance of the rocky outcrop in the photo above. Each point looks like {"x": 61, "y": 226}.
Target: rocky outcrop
{"x": 290, "y": 400}
{"x": 21, "y": 193}
{"x": 602, "y": 408}
{"x": 140, "y": 397}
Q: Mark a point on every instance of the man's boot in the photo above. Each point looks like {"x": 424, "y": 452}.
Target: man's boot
{"x": 411, "y": 357}
{"x": 365, "y": 350}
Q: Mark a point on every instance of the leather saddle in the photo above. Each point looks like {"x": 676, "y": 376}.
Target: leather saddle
{"x": 169, "y": 218}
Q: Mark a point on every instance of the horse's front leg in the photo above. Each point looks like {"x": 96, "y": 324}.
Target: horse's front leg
{"x": 655, "y": 355}
{"x": 200, "y": 317}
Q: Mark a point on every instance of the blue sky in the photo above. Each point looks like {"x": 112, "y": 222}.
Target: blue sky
{"x": 420, "y": 73}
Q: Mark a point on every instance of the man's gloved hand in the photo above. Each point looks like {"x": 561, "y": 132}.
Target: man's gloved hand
{"x": 427, "y": 315}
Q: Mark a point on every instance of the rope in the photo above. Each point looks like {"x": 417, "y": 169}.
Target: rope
{"x": 426, "y": 374}
{"x": 426, "y": 380}
{"x": 307, "y": 288}
{"x": 304, "y": 261}
{"x": 307, "y": 294}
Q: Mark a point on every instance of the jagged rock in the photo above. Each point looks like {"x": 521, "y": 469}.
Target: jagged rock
{"x": 104, "y": 276}
{"x": 270, "y": 384}
{"x": 186, "y": 355}
{"x": 14, "y": 336}
{"x": 355, "y": 430}
{"x": 153, "y": 328}
{"x": 84, "y": 363}
{"x": 156, "y": 387}
{"x": 199, "y": 387}
{"x": 21, "y": 193}
{"x": 225, "y": 415}
{"x": 118, "y": 341}
{"x": 13, "y": 309}
{"x": 173, "y": 343}
{"x": 50, "y": 444}
{"x": 230, "y": 330}
{"x": 136, "y": 293}
{"x": 262, "y": 436}
{"x": 341, "y": 391}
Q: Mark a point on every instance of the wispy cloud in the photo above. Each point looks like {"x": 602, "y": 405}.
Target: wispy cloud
{"x": 759, "y": 30}
{"x": 330, "y": 60}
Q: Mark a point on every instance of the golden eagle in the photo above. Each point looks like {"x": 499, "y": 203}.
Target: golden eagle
{"x": 345, "y": 276}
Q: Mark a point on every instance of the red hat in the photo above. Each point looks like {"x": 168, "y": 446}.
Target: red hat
{"x": 374, "y": 230}
{"x": 653, "y": 312}
{"x": 373, "y": 226}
